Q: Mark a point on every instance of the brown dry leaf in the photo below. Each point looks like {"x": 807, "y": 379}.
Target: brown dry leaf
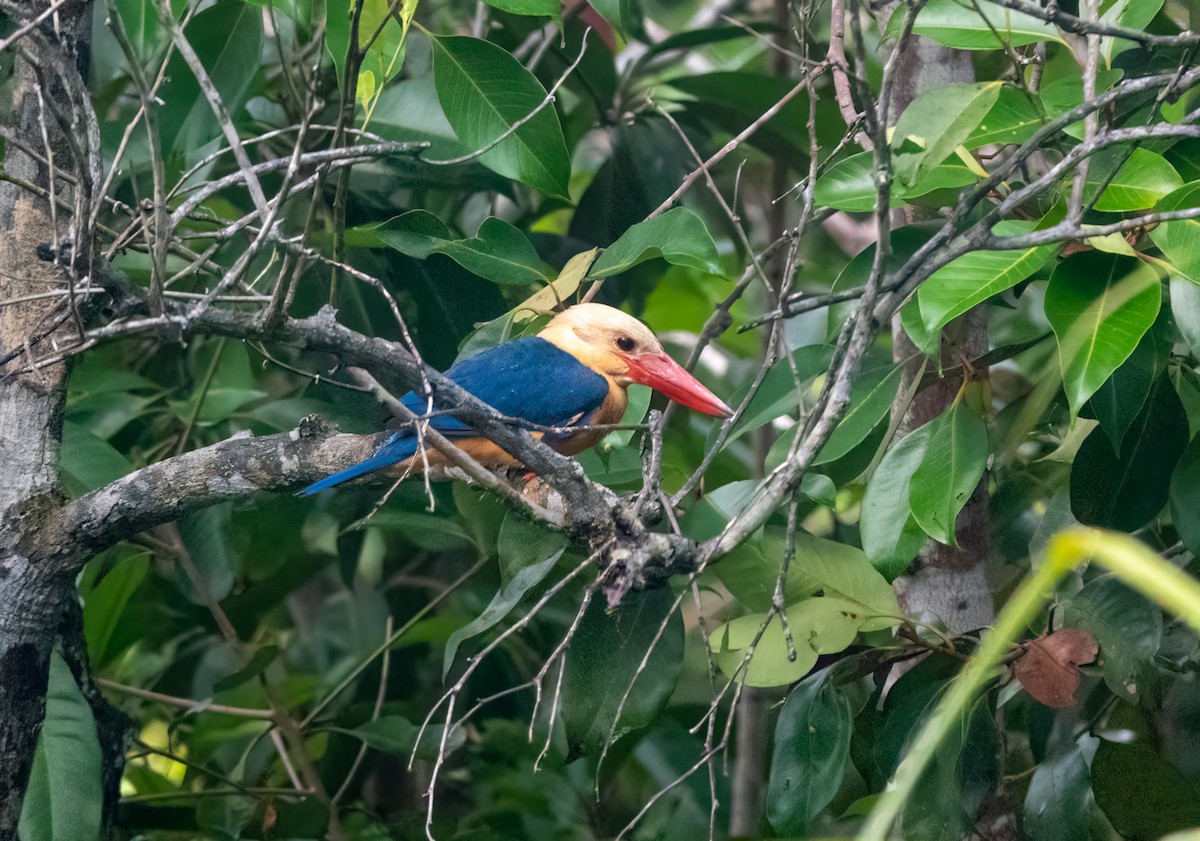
{"x": 1049, "y": 667}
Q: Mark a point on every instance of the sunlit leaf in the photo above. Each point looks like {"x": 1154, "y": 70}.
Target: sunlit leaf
{"x": 487, "y": 95}
{"x": 498, "y": 252}
{"x": 1099, "y": 305}
{"x": 678, "y": 236}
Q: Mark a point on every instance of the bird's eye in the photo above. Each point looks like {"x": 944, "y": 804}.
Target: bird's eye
{"x": 625, "y": 343}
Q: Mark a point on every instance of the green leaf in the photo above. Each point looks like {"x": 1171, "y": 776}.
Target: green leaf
{"x": 678, "y": 236}
{"x": 523, "y": 542}
{"x": 228, "y": 39}
{"x": 974, "y": 26}
{"x": 750, "y": 571}
{"x": 1057, "y": 804}
{"x": 812, "y": 743}
{"x": 935, "y": 124}
{"x": 1185, "y": 311}
{"x": 435, "y": 533}
{"x": 64, "y": 799}
{"x": 535, "y": 8}
{"x": 1180, "y": 240}
{"x": 208, "y": 538}
{"x": 1128, "y": 628}
{"x": 89, "y": 462}
{"x": 498, "y": 252}
{"x": 605, "y": 656}
{"x": 978, "y": 275}
{"x": 780, "y": 391}
{"x": 484, "y": 92}
{"x": 506, "y": 598}
{"x": 954, "y": 461}
{"x": 844, "y": 571}
{"x": 849, "y": 184}
{"x": 1117, "y": 403}
{"x": 1143, "y": 796}
{"x": 396, "y": 734}
{"x": 871, "y": 398}
{"x": 1185, "y": 497}
{"x": 890, "y": 534}
{"x": 1099, "y": 306}
{"x": 262, "y": 658}
{"x": 1127, "y": 489}
{"x": 105, "y": 602}
{"x": 1014, "y": 118}
{"x": 1134, "y": 14}
{"x": 1140, "y": 182}
{"x": 733, "y": 100}
{"x": 820, "y": 625}
{"x": 624, "y": 15}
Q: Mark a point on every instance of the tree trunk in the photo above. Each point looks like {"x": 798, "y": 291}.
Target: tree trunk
{"x": 945, "y": 585}
{"x": 31, "y": 403}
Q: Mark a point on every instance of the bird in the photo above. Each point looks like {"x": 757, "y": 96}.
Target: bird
{"x": 572, "y": 376}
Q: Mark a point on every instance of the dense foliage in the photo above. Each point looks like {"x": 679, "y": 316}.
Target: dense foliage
{"x": 387, "y": 661}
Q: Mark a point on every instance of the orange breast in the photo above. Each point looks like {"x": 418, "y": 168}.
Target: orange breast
{"x": 491, "y": 455}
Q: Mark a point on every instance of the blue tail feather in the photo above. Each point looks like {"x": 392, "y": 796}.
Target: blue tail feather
{"x": 393, "y": 452}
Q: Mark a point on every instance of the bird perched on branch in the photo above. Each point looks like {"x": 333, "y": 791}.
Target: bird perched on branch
{"x": 572, "y": 376}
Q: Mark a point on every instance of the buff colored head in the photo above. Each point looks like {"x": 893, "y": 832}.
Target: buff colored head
{"x": 623, "y": 349}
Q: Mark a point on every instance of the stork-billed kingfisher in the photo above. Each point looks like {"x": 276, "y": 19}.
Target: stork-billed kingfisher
{"x": 572, "y": 375}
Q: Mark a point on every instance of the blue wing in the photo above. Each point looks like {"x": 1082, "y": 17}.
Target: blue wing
{"x": 529, "y": 379}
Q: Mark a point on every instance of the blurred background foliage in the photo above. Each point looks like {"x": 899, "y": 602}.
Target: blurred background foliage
{"x": 358, "y": 620}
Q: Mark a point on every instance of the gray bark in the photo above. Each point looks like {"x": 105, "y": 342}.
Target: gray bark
{"x": 945, "y": 585}
{"x": 32, "y": 595}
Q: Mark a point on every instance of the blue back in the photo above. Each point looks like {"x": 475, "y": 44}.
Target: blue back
{"x": 529, "y": 379}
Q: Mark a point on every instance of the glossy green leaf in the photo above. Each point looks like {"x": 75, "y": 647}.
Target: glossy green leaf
{"x": 228, "y": 39}
{"x": 954, "y": 461}
{"x": 624, "y": 15}
{"x": 812, "y": 744}
{"x": 498, "y": 252}
{"x": 1057, "y": 804}
{"x": 751, "y": 571}
{"x": 978, "y": 275}
{"x": 606, "y": 653}
{"x": 850, "y": 184}
{"x": 64, "y": 799}
{"x": 1014, "y": 118}
{"x": 1180, "y": 240}
{"x": 935, "y": 124}
{"x": 779, "y": 394}
{"x": 1128, "y": 628}
{"x": 891, "y": 537}
{"x": 1126, "y": 489}
{"x": 1185, "y": 311}
{"x": 506, "y": 598}
{"x": 844, "y": 571}
{"x": 820, "y": 625}
{"x": 871, "y": 397}
{"x": 1117, "y": 403}
{"x": 968, "y": 26}
{"x": 89, "y": 462}
{"x": 537, "y": 8}
{"x": 1099, "y": 306}
{"x": 104, "y": 603}
{"x": 1139, "y": 182}
{"x": 678, "y": 236}
{"x": 485, "y": 92}
{"x": 1143, "y": 796}
{"x": 1133, "y": 14}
